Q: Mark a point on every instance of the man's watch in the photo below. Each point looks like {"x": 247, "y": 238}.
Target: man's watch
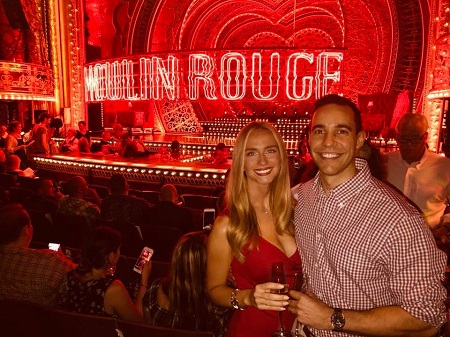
{"x": 337, "y": 319}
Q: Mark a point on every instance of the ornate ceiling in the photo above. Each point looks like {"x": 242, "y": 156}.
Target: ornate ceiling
{"x": 383, "y": 41}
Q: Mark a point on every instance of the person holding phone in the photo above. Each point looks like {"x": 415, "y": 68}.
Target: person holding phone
{"x": 91, "y": 288}
{"x": 256, "y": 230}
{"x": 26, "y": 274}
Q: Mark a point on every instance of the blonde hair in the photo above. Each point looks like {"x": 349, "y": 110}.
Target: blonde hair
{"x": 243, "y": 225}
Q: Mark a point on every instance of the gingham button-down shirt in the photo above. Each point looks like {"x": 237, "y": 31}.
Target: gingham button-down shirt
{"x": 32, "y": 275}
{"x": 363, "y": 247}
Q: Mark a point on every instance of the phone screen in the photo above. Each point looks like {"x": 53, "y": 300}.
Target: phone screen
{"x": 209, "y": 215}
{"x": 145, "y": 256}
{"x": 54, "y": 246}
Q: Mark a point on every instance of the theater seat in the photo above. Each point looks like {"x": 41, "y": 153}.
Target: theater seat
{"x": 151, "y": 196}
{"x": 71, "y": 229}
{"x": 20, "y": 319}
{"x": 161, "y": 239}
{"x": 198, "y": 201}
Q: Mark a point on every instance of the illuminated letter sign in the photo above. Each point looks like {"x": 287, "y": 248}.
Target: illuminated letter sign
{"x": 257, "y": 88}
{"x": 292, "y": 78}
{"x": 228, "y": 81}
{"x": 322, "y": 75}
{"x": 201, "y": 68}
{"x": 303, "y": 75}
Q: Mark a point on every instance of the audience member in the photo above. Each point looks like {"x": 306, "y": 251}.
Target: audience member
{"x": 119, "y": 206}
{"x": 83, "y": 145}
{"x": 375, "y": 160}
{"x": 46, "y": 197}
{"x": 83, "y": 132}
{"x": 370, "y": 263}
{"x": 3, "y": 135}
{"x": 2, "y": 161}
{"x": 13, "y": 167}
{"x": 421, "y": 175}
{"x": 132, "y": 148}
{"x": 169, "y": 213}
{"x": 302, "y": 166}
{"x": 175, "y": 149}
{"x": 70, "y": 143}
{"x": 15, "y": 144}
{"x": 74, "y": 203}
{"x": 31, "y": 275}
{"x": 171, "y": 302}
{"x": 104, "y": 144}
{"x": 91, "y": 289}
{"x": 257, "y": 227}
{"x": 56, "y": 125}
{"x": 220, "y": 154}
{"x": 40, "y": 135}
{"x": 117, "y": 133}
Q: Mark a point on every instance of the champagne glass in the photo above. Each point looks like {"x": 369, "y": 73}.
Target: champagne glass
{"x": 298, "y": 285}
{"x": 278, "y": 275}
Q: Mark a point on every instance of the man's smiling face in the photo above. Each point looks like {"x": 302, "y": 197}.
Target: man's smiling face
{"x": 333, "y": 143}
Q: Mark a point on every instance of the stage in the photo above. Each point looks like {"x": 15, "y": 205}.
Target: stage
{"x": 193, "y": 173}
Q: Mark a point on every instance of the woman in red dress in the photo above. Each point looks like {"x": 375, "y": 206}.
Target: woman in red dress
{"x": 256, "y": 230}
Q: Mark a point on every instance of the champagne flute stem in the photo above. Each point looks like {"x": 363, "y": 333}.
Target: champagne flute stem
{"x": 280, "y": 321}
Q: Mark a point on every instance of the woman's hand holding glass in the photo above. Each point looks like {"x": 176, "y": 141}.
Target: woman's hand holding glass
{"x": 269, "y": 296}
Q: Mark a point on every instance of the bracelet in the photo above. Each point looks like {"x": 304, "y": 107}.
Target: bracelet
{"x": 143, "y": 285}
{"x": 234, "y": 301}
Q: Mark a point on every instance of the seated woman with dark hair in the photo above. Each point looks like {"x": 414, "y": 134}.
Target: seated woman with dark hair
{"x": 91, "y": 289}
{"x": 181, "y": 300}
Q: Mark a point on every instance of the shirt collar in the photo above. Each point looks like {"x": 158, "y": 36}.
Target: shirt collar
{"x": 349, "y": 188}
{"x": 419, "y": 163}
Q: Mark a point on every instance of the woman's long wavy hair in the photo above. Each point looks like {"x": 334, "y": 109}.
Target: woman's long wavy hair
{"x": 188, "y": 297}
{"x": 96, "y": 249}
{"x": 243, "y": 226}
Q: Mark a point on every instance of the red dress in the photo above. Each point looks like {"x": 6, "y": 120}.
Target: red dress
{"x": 253, "y": 322}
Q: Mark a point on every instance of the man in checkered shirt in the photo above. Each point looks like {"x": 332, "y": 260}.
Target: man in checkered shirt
{"x": 30, "y": 275}
{"x": 370, "y": 263}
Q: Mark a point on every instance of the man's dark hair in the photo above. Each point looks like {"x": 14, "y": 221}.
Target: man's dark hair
{"x": 13, "y": 218}
{"x": 97, "y": 246}
{"x": 340, "y": 100}
{"x": 56, "y": 123}
{"x": 43, "y": 116}
{"x": 118, "y": 184}
{"x": 73, "y": 184}
{"x": 13, "y": 125}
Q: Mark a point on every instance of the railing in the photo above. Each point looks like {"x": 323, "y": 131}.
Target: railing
{"x": 26, "y": 81}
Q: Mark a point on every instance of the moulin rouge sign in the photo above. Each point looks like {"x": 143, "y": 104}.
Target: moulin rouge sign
{"x": 270, "y": 76}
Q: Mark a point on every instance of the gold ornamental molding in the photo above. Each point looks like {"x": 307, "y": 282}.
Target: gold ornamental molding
{"x": 26, "y": 81}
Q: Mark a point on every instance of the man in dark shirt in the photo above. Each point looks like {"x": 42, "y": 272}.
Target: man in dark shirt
{"x": 119, "y": 206}
{"x": 169, "y": 213}
{"x": 83, "y": 131}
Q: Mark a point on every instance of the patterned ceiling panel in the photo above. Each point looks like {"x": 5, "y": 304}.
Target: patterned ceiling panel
{"x": 368, "y": 33}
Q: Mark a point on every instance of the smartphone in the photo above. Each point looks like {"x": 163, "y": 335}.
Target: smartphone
{"x": 54, "y": 246}
{"x": 209, "y": 215}
{"x": 145, "y": 256}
